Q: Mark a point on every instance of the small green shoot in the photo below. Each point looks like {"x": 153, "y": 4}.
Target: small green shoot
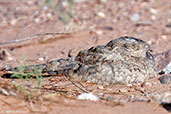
{"x": 23, "y": 76}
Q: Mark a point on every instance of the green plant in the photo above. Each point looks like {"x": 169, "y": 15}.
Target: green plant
{"x": 20, "y": 74}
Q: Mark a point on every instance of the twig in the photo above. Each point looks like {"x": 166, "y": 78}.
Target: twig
{"x": 76, "y": 85}
{"x": 102, "y": 98}
{"x": 33, "y": 37}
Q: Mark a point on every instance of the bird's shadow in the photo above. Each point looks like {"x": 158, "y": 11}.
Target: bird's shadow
{"x": 9, "y": 76}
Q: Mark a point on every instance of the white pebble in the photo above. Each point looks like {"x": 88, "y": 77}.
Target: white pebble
{"x": 135, "y": 17}
{"x": 49, "y": 15}
{"x": 101, "y": 94}
{"x": 100, "y": 87}
{"x": 13, "y": 22}
{"x": 147, "y": 84}
{"x": 149, "y": 42}
{"x": 4, "y": 92}
{"x": 45, "y": 8}
{"x": 37, "y": 20}
{"x": 164, "y": 37}
{"x": 153, "y": 17}
{"x": 41, "y": 59}
{"x": 101, "y": 14}
{"x": 88, "y": 96}
{"x": 153, "y": 11}
{"x": 129, "y": 85}
{"x": 99, "y": 32}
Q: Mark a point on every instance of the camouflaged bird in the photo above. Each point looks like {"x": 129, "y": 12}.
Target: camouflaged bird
{"x": 123, "y": 60}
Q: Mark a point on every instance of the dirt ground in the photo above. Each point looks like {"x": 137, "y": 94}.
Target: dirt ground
{"x": 92, "y": 22}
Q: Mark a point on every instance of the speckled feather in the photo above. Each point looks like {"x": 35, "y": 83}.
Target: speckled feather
{"x": 124, "y": 60}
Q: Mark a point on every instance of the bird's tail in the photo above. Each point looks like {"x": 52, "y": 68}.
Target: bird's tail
{"x": 55, "y": 67}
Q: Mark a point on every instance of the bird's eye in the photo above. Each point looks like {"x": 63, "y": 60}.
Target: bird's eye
{"x": 131, "y": 46}
{"x": 135, "y": 47}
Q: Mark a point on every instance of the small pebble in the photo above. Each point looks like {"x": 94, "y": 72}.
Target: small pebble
{"x": 13, "y": 22}
{"x": 37, "y": 20}
{"x": 123, "y": 90}
{"x": 164, "y": 37}
{"x": 49, "y": 15}
{"x": 100, "y": 87}
{"x": 99, "y": 32}
{"x": 88, "y": 96}
{"x": 55, "y": 85}
{"x": 153, "y": 11}
{"x": 149, "y": 42}
{"x": 147, "y": 84}
{"x": 101, "y": 94}
{"x": 45, "y": 8}
{"x": 41, "y": 59}
{"x": 153, "y": 17}
{"x": 4, "y": 92}
{"x": 129, "y": 85}
{"x": 142, "y": 89}
{"x": 166, "y": 79}
{"x": 101, "y": 14}
{"x": 135, "y": 17}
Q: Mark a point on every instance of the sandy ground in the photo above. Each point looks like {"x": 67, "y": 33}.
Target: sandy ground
{"x": 93, "y": 22}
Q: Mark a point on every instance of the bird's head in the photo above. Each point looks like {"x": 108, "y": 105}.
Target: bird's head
{"x": 131, "y": 46}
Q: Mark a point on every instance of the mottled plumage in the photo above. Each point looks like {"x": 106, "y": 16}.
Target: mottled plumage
{"x": 123, "y": 60}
